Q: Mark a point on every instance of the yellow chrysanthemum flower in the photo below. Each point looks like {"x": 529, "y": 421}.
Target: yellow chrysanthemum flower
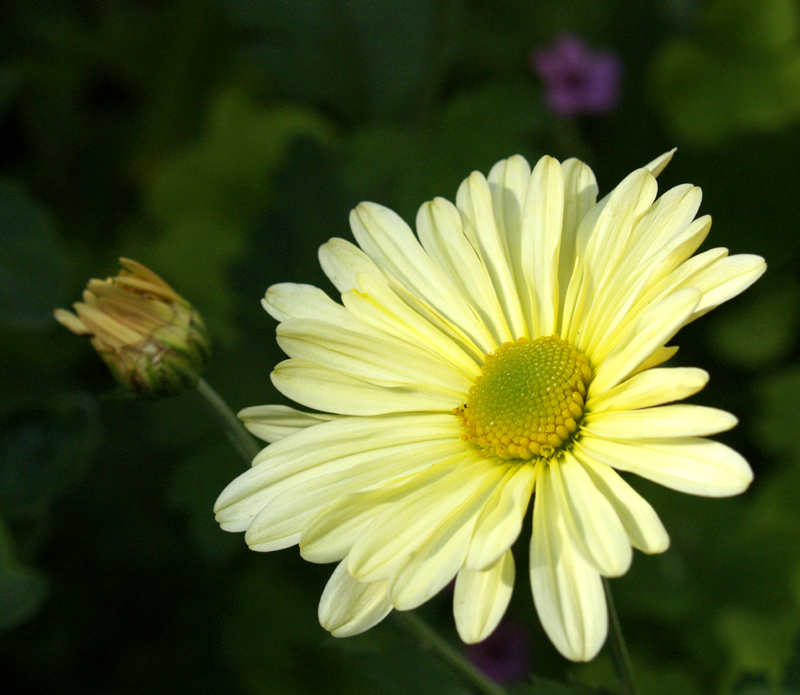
{"x": 509, "y": 350}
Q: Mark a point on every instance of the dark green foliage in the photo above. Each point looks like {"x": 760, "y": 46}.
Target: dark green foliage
{"x": 221, "y": 142}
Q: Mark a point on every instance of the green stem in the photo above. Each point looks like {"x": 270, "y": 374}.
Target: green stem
{"x": 241, "y": 439}
{"x": 623, "y": 668}
{"x": 428, "y": 637}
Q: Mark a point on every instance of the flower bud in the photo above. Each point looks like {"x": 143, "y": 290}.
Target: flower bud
{"x": 154, "y": 342}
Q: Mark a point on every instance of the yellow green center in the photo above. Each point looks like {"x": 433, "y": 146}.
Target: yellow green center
{"x": 528, "y": 399}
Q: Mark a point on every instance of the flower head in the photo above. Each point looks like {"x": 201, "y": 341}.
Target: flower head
{"x": 577, "y": 79}
{"x": 154, "y": 342}
{"x": 509, "y": 350}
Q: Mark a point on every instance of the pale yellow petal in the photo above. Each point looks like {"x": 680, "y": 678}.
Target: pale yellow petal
{"x": 349, "y": 607}
{"x": 382, "y": 360}
{"x": 656, "y": 326}
{"x": 403, "y": 527}
{"x": 441, "y": 232}
{"x": 580, "y": 195}
{"x": 653, "y": 387}
{"x": 660, "y": 163}
{"x": 644, "y": 528}
{"x": 108, "y": 327}
{"x": 332, "y": 531}
{"x": 287, "y": 301}
{"x": 71, "y": 321}
{"x": 501, "y": 520}
{"x": 316, "y": 386}
{"x": 696, "y": 466}
{"x": 294, "y": 500}
{"x": 658, "y": 357}
{"x": 655, "y": 423}
{"x": 663, "y": 224}
{"x": 474, "y": 200}
{"x": 594, "y": 525}
{"x": 540, "y": 240}
{"x": 724, "y": 280}
{"x": 381, "y": 308}
{"x": 567, "y": 590}
{"x": 342, "y": 261}
{"x": 435, "y": 563}
{"x": 509, "y": 182}
{"x": 389, "y": 241}
{"x": 481, "y": 597}
{"x": 663, "y": 239}
{"x": 274, "y": 422}
{"x": 601, "y": 241}
{"x": 304, "y": 451}
{"x": 717, "y": 278}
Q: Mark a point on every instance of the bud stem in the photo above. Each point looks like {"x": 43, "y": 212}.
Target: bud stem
{"x": 241, "y": 439}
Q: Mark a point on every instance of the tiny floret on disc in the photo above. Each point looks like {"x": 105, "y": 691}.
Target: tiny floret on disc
{"x": 528, "y": 399}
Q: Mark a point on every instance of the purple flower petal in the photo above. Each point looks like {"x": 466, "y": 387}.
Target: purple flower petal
{"x": 504, "y": 656}
{"x": 576, "y": 78}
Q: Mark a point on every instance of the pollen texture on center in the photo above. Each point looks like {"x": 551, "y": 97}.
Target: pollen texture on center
{"x": 528, "y": 400}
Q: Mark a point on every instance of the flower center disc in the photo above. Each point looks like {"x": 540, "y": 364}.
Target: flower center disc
{"x": 528, "y": 399}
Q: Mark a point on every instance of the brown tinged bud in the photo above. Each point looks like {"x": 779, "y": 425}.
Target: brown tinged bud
{"x": 154, "y": 342}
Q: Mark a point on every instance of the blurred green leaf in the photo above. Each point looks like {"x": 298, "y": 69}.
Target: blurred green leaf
{"x": 302, "y": 48}
{"x": 483, "y": 125}
{"x": 762, "y": 328}
{"x": 771, "y": 25}
{"x": 22, "y": 592}
{"x": 394, "y": 44}
{"x": 47, "y": 444}
{"x": 740, "y": 74}
{"x": 540, "y": 686}
{"x": 205, "y": 198}
{"x": 47, "y": 21}
{"x": 659, "y": 588}
{"x": 653, "y": 677}
{"x": 195, "y": 256}
{"x": 758, "y": 689}
{"x": 778, "y": 424}
{"x": 382, "y": 161}
{"x": 271, "y": 635}
{"x": 758, "y": 643}
{"x": 22, "y": 589}
{"x": 197, "y": 481}
{"x": 11, "y": 78}
{"x": 359, "y": 56}
{"x": 403, "y": 166}
{"x": 791, "y": 678}
{"x": 32, "y": 263}
{"x": 707, "y": 98}
{"x": 407, "y": 668}
{"x": 228, "y": 172}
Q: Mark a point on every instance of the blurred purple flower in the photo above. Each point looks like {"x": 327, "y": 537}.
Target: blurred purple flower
{"x": 504, "y": 656}
{"x": 577, "y": 79}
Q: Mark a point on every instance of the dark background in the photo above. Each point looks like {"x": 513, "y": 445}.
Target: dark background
{"x": 221, "y": 143}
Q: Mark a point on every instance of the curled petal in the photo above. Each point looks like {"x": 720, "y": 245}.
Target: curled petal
{"x": 349, "y": 607}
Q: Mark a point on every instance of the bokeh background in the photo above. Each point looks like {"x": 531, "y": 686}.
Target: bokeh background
{"x": 221, "y": 142}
